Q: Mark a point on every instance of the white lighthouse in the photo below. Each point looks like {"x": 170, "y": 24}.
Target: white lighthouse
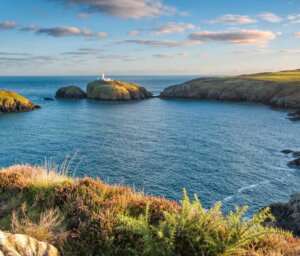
{"x": 105, "y": 79}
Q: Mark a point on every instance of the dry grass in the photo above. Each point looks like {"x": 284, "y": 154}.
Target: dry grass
{"x": 292, "y": 76}
{"x": 81, "y": 216}
{"x": 47, "y": 228}
{"x": 36, "y": 175}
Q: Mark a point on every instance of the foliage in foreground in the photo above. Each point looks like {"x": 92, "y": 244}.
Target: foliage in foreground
{"x": 89, "y": 217}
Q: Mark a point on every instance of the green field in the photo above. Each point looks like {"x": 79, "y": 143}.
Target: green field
{"x": 283, "y": 76}
{"x": 10, "y": 97}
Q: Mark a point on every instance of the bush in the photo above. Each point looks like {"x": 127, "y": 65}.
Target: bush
{"x": 88, "y": 217}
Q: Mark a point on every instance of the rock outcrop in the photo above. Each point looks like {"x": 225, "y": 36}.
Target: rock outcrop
{"x": 13, "y": 102}
{"x": 22, "y": 245}
{"x": 70, "y": 92}
{"x": 287, "y": 216}
{"x": 115, "y": 91}
{"x": 295, "y": 162}
{"x": 294, "y": 116}
{"x": 258, "y": 89}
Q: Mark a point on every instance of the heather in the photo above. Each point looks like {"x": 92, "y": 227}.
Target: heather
{"x": 89, "y": 217}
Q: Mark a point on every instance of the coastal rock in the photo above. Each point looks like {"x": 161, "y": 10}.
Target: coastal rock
{"x": 115, "y": 91}
{"x": 70, "y": 92}
{"x": 22, "y": 245}
{"x": 48, "y": 99}
{"x": 286, "y": 151}
{"x": 295, "y": 162}
{"x": 257, "y": 88}
{"x": 294, "y": 116}
{"x": 287, "y": 216}
{"x": 13, "y": 102}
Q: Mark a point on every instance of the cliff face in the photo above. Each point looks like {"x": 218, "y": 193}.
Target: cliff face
{"x": 287, "y": 216}
{"x": 274, "y": 92}
{"x": 115, "y": 90}
{"x": 13, "y": 102}
{"x": 70, "y": 92}
{"x": 22, "y": 245}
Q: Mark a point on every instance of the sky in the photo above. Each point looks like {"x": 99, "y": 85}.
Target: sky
{"x": 148, "y": 37}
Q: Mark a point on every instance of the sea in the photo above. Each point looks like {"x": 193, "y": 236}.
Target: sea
{"x": 221, "y": 151}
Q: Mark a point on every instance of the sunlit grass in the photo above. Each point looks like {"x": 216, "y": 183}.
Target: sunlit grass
{"x": 89, "y": 217}
{"x": 9, "y": 97}
{"x": 284, "y": 76}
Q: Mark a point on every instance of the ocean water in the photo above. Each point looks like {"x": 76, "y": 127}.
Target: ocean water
{"x": 227, "y": 152}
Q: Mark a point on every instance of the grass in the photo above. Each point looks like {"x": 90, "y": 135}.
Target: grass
{"x": 88, "y": 217}
{"x": 10, "y": 97}
{"x": 290, "y": 76}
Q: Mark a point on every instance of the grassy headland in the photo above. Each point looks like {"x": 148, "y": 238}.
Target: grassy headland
{"x": 289, "y": 76}
{"x": 13, "y": 102}
{"x": 88, "y": 217}
{"x": 279, "y": 89}
{"x": 116, "y": 90}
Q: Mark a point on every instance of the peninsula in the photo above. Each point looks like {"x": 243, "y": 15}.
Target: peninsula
{"x": 278, "y": 89}
{"x": 12, "y": 102}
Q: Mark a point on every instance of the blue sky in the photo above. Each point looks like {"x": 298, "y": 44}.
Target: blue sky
{"x": 148, "y": 37}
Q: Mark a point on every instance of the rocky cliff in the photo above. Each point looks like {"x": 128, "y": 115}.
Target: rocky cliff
{"x": 287, "y": 216}
{"x": 70, "y": 92}
{"x": 282, "y": 90}
{"x": 22, "y": 245}
{"x": 115, "y": 91}
{"x": 13, "y": 102}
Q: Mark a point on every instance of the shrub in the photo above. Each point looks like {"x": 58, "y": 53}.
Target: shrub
{"x": 88, "y": 217}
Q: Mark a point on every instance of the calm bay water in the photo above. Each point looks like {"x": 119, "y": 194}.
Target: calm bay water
{"x": 226, "y": 152}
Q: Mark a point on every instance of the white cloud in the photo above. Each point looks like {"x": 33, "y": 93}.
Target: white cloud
{"x": 161, "y": 43}
{"x": 70, "y": 31}
{"x": 294, "y": 18}
{"x": 135, "y": 9}
{"x": 163, "y": 55}
{"x": 270, "y": 17}
{"x": 133, "y": 33}
{"x": 170, "y": 28}
{"x": 296, "y": 34}
{"x": 8, "y": 25}
{"x": 184, "y": 54}
{"x": 290, "y": 51}
{"x": 234, "y": 37}
{"x": 83, "y": 51}
{"x": 256, "y": 51}
{"x": 233, "y": 19}
{"x": 31, "y": 28}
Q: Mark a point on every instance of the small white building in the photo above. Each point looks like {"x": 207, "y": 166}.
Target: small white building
{"x": 105, "y": 79}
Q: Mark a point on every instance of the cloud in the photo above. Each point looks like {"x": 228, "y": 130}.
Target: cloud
{"x": 234, "y": 37}
{"x": 296, "y": 34}
{"x": 133, "y": 33}
{"x": 135, "y": 9}
{"x": 161, "y": 43}
{"x": 290, "y": 51}
{"x": 83, "y": 51}
{"x": 294, "y": 18}
{"x": 118, "y": 57}
{"x": 30, "y": 59}
{"x": 271, "y": 17}
{"x": 232, "y": 19}
{"x": 14, "y": 54}
{"x": 70, "y": 31}
{"x": 170, "y": 27}
{"x": 163, "y": 56}
{"x": 256, "y": 51}
{"x": 31, "y": 28}
{"x": 8, "y": 25}
{"x": 184, "y": 54}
